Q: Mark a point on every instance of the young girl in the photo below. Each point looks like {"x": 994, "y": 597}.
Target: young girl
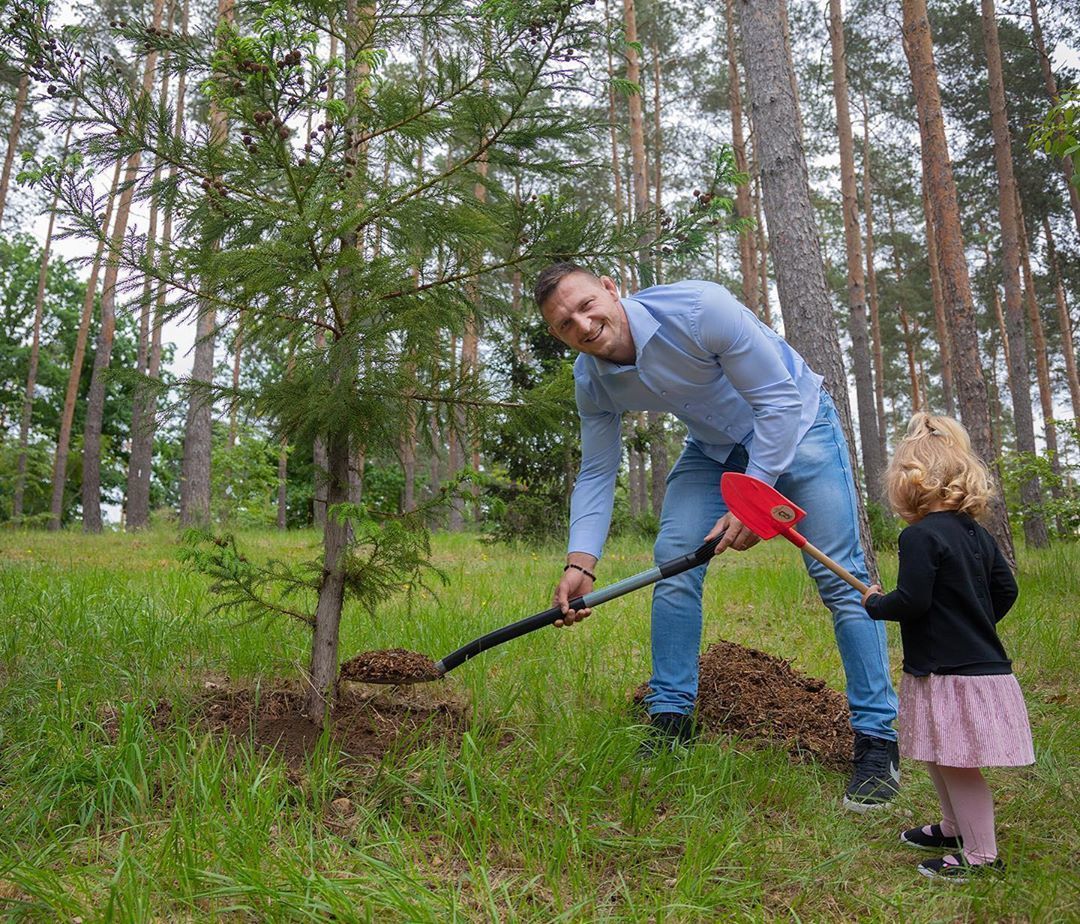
{"x": 960, "y": 705}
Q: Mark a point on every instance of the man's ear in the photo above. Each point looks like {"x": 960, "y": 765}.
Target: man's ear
{"x": 608, "y": 283}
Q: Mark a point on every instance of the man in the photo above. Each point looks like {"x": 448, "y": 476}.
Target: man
{"x": 750, "y": 403}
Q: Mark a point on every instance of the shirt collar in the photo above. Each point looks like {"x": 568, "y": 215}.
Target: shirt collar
{"x": 642, "y": 327}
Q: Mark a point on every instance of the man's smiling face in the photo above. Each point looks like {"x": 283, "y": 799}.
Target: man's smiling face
{"x": 585, "y": 313}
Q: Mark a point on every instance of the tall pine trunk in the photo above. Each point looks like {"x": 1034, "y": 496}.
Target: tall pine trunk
{"x": 874, "y": 304}
{"x": 67, "y": 416}
{"x": 95, "y": 404}
{"x": 13, "y": 140}
{"x": 1068, "y": 345}
{"x": 35, "y": 346}
{"x": 144, "y": 402}
{"x": 1042, "y": 359}
{"x": 800, "y": 277}
{"x": 940, "y": 323}
{"x": 1035, "y": 532}
{"x": 873, "y": 464}
{"x": 659, "y": 461}
{"x": 955, "y": 282}
{"x": 1050, "y": 82}
{"x": 199, "y": 420}
{"x": 638, "y": 165}
{"x": 743, "y": 207}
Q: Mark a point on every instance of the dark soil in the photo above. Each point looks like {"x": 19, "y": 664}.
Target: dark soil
{"x": 392, "y": 665}
{"x": 756, "y": 696}
{"x": 365, "y": 727}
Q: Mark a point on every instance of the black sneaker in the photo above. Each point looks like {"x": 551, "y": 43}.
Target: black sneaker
{"x": 876, "y": 779}
{"x": 959, "y": 870}
{"x": 668, "y": 731}
{"x": 935, "y": 840}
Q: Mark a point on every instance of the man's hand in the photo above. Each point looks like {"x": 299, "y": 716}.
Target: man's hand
{"x": 872, "y": 591}
{"x": 738, "y": 536}
{"x": 574, "y": 584}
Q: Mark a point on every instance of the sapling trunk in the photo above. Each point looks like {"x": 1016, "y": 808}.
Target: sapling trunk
{"x": 324, "y": 643}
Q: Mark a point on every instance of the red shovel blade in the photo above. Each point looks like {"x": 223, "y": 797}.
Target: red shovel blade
{"x": 760, "y": 506}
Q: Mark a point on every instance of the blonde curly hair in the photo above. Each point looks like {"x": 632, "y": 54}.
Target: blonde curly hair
{"x": 934, "y": 466}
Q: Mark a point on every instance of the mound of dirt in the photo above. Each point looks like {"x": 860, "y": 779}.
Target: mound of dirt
{"x": 391, "y": 665}
{"x": 364, "y": 726}
{"x": 756, "y": 696}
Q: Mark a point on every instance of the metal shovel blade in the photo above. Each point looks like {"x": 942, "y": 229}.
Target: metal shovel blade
{"x": 762, "y": 508}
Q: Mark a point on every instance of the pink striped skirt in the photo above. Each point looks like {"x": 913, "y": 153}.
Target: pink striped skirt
{"x": 960, "y": 721}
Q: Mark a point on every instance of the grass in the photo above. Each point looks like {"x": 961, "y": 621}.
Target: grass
{"x": 543, "y": 814}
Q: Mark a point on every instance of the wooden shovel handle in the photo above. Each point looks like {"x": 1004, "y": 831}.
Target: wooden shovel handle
{"x": 814, "y": 552}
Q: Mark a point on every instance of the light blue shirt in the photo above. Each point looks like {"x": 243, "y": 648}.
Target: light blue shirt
{"x": 709, "y": 361}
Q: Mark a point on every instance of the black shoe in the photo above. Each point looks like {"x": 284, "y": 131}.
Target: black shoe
{"x": 668, "y": 731}
{"x": 935, "y": 840}
{"x": 876, "y": 779}
{"x": 961, "y": 870}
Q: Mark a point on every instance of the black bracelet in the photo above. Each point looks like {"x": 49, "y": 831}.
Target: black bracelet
{"x": 585, "y": 571}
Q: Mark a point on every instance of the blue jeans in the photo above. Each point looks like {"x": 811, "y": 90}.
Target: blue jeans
{"x": 820, "y": 482}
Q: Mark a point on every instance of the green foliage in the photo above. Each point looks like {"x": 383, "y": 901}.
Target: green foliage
{"x": 244, "y": 478}
{"x": 20, "y": 264}
{"x": 1058, "y": 134}
{"x": 385, "y": 556}
{"x": 885, "y": 526}
{"x": 1059, "y": 505}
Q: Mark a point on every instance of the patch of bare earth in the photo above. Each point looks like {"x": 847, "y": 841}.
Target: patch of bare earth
{"x": 364, "y": 725}
{"x": 759, "y": 697}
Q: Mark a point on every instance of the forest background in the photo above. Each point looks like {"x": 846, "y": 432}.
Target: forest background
{"x": 264, "y": 273}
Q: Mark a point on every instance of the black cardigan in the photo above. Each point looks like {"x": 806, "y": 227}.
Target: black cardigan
{"x": 954, "y": 586}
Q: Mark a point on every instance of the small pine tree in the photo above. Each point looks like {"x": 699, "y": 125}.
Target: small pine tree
{"x": 338, "y": 229}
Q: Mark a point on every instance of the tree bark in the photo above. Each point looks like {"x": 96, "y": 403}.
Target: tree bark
{"x": 1068, "y": 346}
{"x": 199, "y": 422}
{"x": 638, "y": 165}
{"x": 1052, "y": 91}
{"x": 905, "y": 323}
{"x": 872, "y": 291}
{"x": 238, "y": 354}
{"x": 136, "y": 499}
{"x": 762, "y": 248}
{"x": 95, "y": 404}
{"x": 63, "y": 442}
{"x": 955, "y": 282}
{"x": 1042, "y": 366}
{"x": 144, "y": 421}
{"x": 809, "y": 324}
{"x": 659, "y": 462}
{"x": 873, "y": 464}
{"x": 939, "y": 306}
{"x": 743, "y": 207}
{"x": 616, "y": 168}
{"x": 658, "y": 161}
{"x": 322, "y": 674}
{"x": 1035, "y": 532}
{"x": 13, "y": 140}
{"x": 35, "y": 346}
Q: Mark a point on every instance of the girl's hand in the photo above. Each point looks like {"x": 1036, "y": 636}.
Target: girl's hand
{"x": 872, "y": 591}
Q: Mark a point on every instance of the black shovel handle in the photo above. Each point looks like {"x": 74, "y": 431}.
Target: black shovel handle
{"x": 699, "y": 556}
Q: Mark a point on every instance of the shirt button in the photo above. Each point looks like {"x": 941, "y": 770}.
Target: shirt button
{"x": 662, "y": 392}
{"x": 687, "y": 406}
{"x": 708, "y": 416}
{"x": 971, "y": 532}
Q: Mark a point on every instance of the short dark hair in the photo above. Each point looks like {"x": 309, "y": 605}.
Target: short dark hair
{"x": 549, "y": 279}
